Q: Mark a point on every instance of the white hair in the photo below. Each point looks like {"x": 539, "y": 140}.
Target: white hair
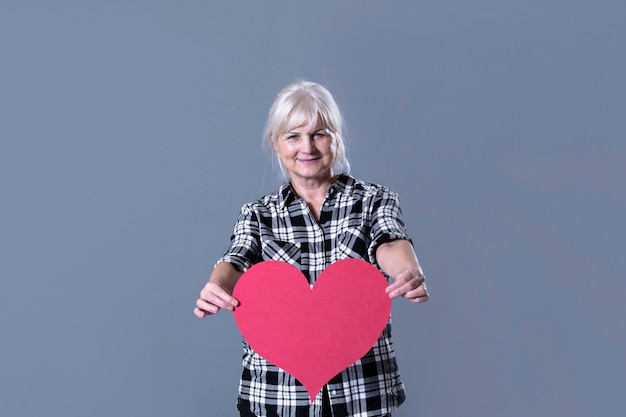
{"x": 304, "y": 103}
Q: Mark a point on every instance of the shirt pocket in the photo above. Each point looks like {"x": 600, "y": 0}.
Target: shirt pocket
{"x": 353, "y": 242}
{"x": 278, "y": 250}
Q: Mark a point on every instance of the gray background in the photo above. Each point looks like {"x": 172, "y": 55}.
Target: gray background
{"x": 131, "y": 135}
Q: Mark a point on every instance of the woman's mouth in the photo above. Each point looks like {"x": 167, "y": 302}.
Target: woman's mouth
{"x": 308, "y": 161}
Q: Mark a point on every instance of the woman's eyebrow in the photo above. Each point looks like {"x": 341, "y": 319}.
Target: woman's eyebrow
{"x": 319, "y": 129}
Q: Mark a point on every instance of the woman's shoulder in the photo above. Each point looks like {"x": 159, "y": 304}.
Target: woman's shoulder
{"x": 365, "y": 188}
{"x": 266, "y": 202}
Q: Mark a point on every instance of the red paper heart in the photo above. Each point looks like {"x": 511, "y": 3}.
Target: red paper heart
{"x": 312, "y": 333}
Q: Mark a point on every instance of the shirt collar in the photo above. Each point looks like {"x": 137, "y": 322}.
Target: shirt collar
{"x": 285, "y": 195}
{"x": 343, "y": 184}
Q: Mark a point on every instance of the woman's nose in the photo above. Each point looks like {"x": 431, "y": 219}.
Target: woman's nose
{"x": 307, "y": 144}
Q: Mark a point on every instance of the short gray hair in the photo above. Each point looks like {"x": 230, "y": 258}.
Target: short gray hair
{"x": 302, "y": 103}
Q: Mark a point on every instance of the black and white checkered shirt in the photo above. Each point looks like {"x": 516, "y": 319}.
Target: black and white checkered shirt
{"x": 356, "y": 217}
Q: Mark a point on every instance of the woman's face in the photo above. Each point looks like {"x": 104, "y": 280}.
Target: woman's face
{"x": 307, "y": 152}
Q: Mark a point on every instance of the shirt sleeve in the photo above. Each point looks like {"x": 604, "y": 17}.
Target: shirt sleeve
{"x": 244, "y": 243}
{"x": 387, "y": 221}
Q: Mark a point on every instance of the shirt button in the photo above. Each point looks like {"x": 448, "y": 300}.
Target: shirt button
{"x": 334, "y": 392}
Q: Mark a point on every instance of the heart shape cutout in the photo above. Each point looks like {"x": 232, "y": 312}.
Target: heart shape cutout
{"x": 312, "y": 333}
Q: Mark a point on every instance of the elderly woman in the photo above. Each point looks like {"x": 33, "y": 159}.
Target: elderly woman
{"x": 319, "y": 216}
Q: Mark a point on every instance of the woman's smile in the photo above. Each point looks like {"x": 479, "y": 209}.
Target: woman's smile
{"x": 307, "y": 152}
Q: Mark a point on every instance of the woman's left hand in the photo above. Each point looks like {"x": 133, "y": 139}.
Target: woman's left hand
{"x": 410, "y": 285}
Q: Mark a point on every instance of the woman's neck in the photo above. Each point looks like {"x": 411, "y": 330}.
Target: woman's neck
{"x": 312, "y": 191}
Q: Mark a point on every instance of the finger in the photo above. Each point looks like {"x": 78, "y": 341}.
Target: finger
{"x": 215, "y": 292}
{"x": 421, "y": 299}
{"x": 394, "y": 286}
{"x": 404, "y": 287}
{"x": 419, "y": 295}
{"x": 403, "y": 290}
{"x": 400, "y": 280}
{"x": 199, "y": 313}
{"x": 206, "y": 307}
{"x": 225, "y": 304}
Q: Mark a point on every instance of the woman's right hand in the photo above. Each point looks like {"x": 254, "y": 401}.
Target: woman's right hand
{"x": 214, "y": 297}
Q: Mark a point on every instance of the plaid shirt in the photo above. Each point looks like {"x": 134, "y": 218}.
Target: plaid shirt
{"x": 356, "y": 217}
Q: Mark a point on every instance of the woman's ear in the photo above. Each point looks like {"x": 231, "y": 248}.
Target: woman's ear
{"x": 273, "y": 140}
